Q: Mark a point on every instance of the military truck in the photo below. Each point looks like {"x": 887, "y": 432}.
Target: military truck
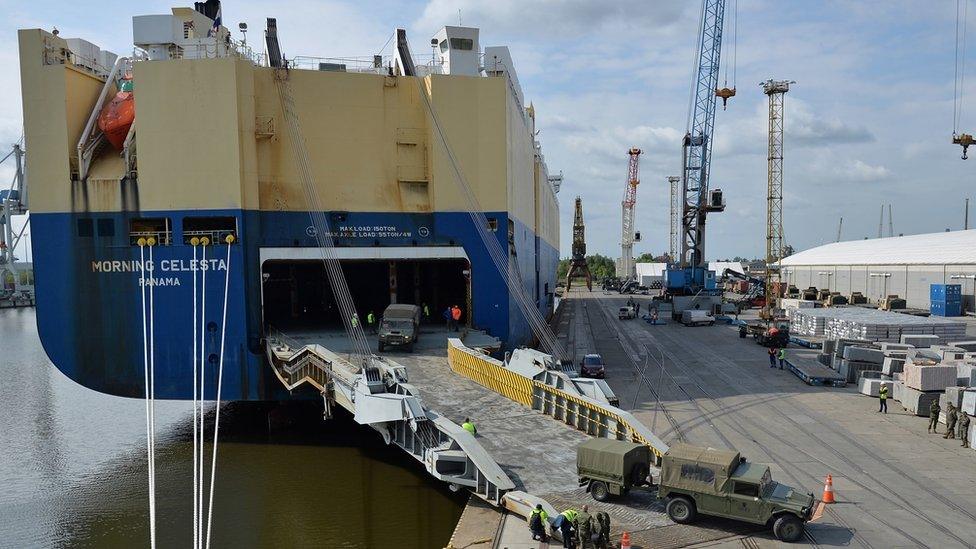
{"x": 696, "y": 480}
{"x": 612, "y": 467}
{"x": 400, "y": 326}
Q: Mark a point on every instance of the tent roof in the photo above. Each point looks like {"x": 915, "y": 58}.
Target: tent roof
{"x": 951, "y": 248}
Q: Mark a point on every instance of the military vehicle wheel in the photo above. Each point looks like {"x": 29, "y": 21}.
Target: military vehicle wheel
{"x": 599, "y": 490}
{"x": 788, "y": 528}
{"x": 681, "y": 510}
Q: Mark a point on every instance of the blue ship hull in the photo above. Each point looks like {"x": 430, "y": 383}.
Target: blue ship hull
{"x": 89, "y": 304}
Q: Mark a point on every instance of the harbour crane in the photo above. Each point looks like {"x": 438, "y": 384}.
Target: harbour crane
{"x": 577, "y": 265}
{"x": 960, "y": 138}
{"x": 13, "y": 201}
{"x": 628, "y": 236}
{"x": 690, "y": 276}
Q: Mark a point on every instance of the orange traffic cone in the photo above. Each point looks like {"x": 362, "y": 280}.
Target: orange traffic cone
{"x": 828, "y": 495}
{"x": 625, "y": 540}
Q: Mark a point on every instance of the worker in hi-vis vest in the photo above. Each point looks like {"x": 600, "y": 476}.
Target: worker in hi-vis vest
{"x": 883, "y": 397}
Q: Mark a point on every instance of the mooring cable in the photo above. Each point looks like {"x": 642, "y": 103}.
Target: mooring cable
{"x": 196, "y": 472}
{"x": 150, "y": 450}
{"x": 204, "y": 242}
{"x": 220, "y": 377}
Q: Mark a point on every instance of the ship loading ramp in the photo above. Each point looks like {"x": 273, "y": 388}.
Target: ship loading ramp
{"x": 525, "y": 449}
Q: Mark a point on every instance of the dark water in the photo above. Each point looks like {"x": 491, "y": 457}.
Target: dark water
{"x": 73, "y": 470}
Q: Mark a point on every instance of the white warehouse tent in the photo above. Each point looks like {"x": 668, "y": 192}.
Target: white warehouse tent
{"x": 905, "y": 266}
{"x": 649, "y": 273}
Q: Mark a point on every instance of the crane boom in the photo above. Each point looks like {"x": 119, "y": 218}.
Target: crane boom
{"x": 697, "y": 146}
{"x": 691, "y": 275}
{"x": 627, "y": 214}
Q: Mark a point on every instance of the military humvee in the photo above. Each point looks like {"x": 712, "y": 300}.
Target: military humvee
{"x": 696, "y": 480}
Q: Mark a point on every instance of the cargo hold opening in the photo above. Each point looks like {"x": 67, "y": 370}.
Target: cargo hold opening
{"x": 297, "y": 293}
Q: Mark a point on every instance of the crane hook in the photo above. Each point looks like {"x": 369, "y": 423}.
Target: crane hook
{"x": 725, "y": 94}
{"x": 964, "y": 139}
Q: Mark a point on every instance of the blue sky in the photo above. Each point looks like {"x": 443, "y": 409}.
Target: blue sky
{"x": 868, "y": 122}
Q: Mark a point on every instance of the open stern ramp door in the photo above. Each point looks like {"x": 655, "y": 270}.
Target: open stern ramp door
{"x": 378, "y": 394}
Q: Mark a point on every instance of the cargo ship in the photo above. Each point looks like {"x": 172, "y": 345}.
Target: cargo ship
{"x": 132, "y": 160}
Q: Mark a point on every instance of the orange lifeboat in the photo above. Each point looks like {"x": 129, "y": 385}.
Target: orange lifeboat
{"x": 116, "y": 118}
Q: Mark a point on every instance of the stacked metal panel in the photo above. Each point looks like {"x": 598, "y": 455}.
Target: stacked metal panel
{"x": 918, "y": 402}
{"x": 969, "y": 402}
{"x": 872, "y": 325}
{"x": 929, "y": 378}
{"x": 871, "y": 387}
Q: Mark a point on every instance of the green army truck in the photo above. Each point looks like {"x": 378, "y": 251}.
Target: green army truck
{"x": 696, "y": 480}
{"x": 612, "y": 467}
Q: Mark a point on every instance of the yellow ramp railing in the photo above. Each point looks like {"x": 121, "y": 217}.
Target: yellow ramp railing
{"x": 583, "y": 413}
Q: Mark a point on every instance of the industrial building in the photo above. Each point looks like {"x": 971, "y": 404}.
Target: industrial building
{"x": 903, "y": 265}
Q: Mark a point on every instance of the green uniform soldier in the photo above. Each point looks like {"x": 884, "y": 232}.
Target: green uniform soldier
{"x": 603, "y": 534}
{"x": 584, "y": 528}
{"x": 951, "y": 417}
{"x": 934, "y": 410}
{"x": 964, "y": 429}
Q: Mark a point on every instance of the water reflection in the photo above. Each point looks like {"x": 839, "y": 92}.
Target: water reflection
{"x": 73, "y": 473}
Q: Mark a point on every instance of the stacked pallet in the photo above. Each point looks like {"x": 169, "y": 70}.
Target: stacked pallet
{"x": 874, "y": 325}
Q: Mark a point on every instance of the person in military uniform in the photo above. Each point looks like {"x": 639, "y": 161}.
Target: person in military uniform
{"x": 934, "y": 410}
{"x": 584, "y": 528}
{"x": 951, "y": 417}
{"x": 603, "y": 530}
{"x": 964, "y": 428}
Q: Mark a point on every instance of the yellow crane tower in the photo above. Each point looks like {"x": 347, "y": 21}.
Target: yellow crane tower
{"x": 776, "y": 91}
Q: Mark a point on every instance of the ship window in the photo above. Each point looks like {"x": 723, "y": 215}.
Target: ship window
{"x": 86, "y": 228}
{"x": 443, "y": 45}
{"x": 215, "y": 228}
{"x": 462, "y": 44}
{"x": 106, "y": 227}
{"x": 492, "y": 224}
{"x": 144, "y": 227}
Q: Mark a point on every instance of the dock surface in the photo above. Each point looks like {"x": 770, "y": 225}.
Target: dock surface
{"x": 896, "y": 486}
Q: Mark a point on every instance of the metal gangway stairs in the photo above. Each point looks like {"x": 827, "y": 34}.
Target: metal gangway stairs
{"x": 380, "y": 396}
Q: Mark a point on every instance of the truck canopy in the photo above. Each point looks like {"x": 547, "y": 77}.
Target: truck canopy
{"x": 698, "y": 468}
{"x": 400, "y": 311}
{"x": 615, "y": 459}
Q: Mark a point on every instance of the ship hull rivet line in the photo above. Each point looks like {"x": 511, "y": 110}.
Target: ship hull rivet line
{"x": 148, "y": 360}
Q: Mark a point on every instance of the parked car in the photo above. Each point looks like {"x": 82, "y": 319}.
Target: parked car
{"x": 592, "y": 366}
{"x": 626, "y": 313}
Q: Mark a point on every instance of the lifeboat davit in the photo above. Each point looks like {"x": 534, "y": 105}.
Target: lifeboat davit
{"x": 116, "y": 118}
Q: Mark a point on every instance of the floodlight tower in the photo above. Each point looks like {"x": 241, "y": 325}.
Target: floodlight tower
{"x": 776, "y": 91}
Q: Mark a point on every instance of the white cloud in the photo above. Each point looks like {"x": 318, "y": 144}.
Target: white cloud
{"x": 567, "y": 19}
{"x": 861, "y": 171}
